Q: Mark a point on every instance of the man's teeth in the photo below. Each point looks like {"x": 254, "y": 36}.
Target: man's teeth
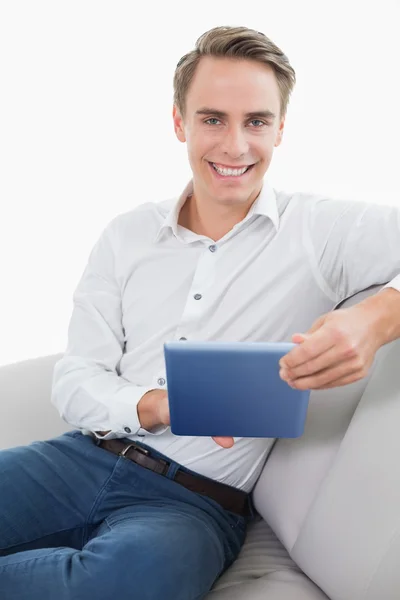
{"x": 230, "y": 172}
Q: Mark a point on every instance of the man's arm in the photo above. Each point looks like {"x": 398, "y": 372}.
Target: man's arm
{"x": 354, "y": 245}
{"x": 341, "y": 345}
{"x": 362, "y": 248}
{"x": 87, "y": 389}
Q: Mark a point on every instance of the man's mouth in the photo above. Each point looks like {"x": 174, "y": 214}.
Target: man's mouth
{"x": 227, "y": 171}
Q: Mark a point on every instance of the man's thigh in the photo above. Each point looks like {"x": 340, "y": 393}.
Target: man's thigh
{"x": 47, "y": 490}
{"x": 167, "y": 552}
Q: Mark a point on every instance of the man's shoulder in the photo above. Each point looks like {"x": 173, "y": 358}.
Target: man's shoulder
{"x": 144, "y": 219}
{"x": 322, "y": 215}
{"x": 147, "y": 210}
{"x": 316, "y": 203}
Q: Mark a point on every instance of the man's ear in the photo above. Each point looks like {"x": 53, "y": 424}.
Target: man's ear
{"x": 178, "y": 124}
{"x": 280, "y": 133}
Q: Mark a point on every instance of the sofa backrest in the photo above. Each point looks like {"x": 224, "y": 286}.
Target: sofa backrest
{"x": 332, "y": 496}
{"x": 26, "y": 413}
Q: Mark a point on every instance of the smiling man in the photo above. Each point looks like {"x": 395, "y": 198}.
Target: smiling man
{"x": 230, "y": 118}
{"x": 129, "y": 509}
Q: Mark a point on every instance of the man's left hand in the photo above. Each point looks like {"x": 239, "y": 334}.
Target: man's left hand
{"x": 338, "y": 349}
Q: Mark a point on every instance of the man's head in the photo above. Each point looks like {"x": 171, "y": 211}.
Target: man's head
{"x": 230, "y": 99}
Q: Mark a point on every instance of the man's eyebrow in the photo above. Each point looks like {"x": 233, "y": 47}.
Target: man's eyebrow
{"x": 265, "y": 114}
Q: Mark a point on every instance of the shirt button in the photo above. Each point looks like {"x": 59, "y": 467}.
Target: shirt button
{"x": 182, "y": 338}
{"x": 128, "y": 429}
{"x": 197, "y": 296}
{"x": 212, "y": 248}
{"x": 161, "y": 381}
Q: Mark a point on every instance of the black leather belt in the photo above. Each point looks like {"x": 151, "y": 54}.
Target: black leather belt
{"x": 228, "y": 497}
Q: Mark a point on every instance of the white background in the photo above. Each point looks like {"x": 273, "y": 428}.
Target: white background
{"x": 86, "y": 129}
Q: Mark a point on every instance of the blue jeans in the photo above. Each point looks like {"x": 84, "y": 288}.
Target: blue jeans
{"x": 78, "y": 522}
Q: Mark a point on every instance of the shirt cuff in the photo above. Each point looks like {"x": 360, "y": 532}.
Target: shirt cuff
{"x": 394, "y": 283}
{"x": 124, "y": 418}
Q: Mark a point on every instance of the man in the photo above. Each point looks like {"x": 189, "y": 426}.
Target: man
{"x": 130, "y": 508}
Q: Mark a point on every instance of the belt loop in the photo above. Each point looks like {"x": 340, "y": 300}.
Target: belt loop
{"x": 172, "y": 470}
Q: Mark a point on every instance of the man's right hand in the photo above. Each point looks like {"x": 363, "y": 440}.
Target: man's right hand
{"x": 153, "y": 410}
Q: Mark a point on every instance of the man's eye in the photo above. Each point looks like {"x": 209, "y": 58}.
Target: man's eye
{"x": 259, "y": 122}
{"x": 211, "y": 119}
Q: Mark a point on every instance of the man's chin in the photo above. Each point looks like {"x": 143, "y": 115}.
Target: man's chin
{"x": 231, "y": 196}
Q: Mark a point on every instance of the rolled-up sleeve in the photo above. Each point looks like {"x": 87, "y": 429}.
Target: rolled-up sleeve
{"x": 87, "y": 387}
{"x": 355, "y": 245}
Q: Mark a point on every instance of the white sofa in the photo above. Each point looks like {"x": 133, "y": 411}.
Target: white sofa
{"x": 329, "y": 501}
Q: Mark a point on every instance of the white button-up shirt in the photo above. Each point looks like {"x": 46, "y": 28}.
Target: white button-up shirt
{"x": 149, "y": 280}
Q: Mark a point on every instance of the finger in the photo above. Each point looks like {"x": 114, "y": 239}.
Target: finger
{"x": 343, "y": 381}
{"x": 327, "y": 376}
{"x": 328, "y": 359}
{"x": 315, "y": 344}
{"x": 225, "y": 442}
{"x": 318, "y": 323}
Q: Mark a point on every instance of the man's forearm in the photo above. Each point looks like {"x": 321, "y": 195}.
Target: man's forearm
{"x": 149, "y": 410}
{"x": 384, "y": 308}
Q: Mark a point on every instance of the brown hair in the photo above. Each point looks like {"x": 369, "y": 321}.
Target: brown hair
{"x": 240, "y": 43}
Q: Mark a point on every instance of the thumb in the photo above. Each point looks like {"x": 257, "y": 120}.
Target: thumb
{"x": 225, "y": 442}
{"x": 298, "y": 338}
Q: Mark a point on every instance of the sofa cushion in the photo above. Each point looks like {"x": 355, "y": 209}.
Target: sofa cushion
{"x": 264, "y": 570}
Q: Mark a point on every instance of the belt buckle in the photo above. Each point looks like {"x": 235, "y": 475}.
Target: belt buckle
{"x": 133, "y": 445}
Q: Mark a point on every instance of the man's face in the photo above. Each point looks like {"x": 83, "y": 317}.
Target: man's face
{"x": 228, "y": 125}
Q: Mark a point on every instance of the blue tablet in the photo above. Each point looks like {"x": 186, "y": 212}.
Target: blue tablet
{"x": 232, "y": 389}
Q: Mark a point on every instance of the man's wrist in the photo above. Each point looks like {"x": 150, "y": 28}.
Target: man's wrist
{"x": 147, "y": 409}
{"x": 384, "y": 310}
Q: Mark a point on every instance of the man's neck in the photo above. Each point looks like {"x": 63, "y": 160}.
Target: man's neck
{"x": 205, "y": 218}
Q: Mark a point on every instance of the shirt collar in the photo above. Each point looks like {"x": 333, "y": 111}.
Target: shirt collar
{"x": 264, "y": 205}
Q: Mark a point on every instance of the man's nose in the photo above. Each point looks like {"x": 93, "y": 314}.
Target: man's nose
{"x": 235, "y": 143}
